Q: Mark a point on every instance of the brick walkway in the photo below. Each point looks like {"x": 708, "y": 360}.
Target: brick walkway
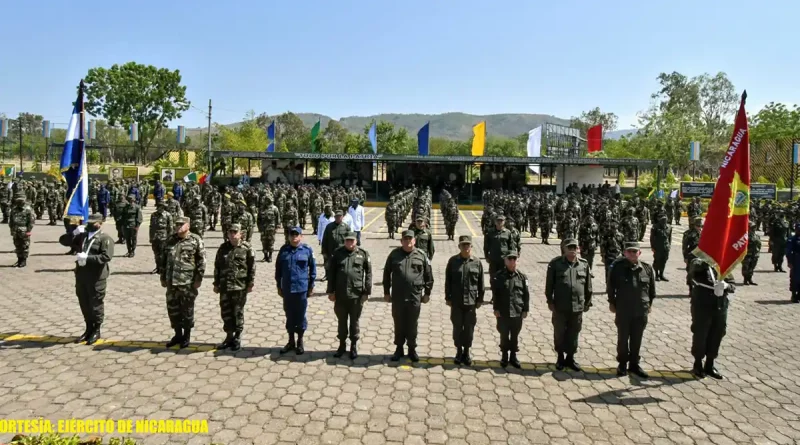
{"x": 258, "y": 396}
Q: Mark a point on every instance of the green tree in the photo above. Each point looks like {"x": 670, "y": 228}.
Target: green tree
{"x": 335, "y": 139}
{"x": 248, "y": 136}
{"x": 775, "y": 121}
{"x": 31, "y": 125}
{"x": 293, "y": 136}
{"x": 594, "y": 117}
{"x": 391, "y": 140}
{"x": 149, "y": 96}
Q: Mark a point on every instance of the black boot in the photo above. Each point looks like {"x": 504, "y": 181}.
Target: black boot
{"x": 353, "y": 350}
{"x": 176, "y": 339}
{"x": 746, "y": 281}
{"x": 398, "y": 354}
{"x": 85, "y": 334}
{"x": 237, "y": 341}
{"x": 22, "y": 262}
{"x": 289, "y": 346}
{"x": 572, "y": 363}
{"x": 711, "y": 371}
{"x": 299, "y": 350}
{"x": 663, "y": 278}
{"x": 752, "y": 283}
{"x": 658, "y": 276}
{"x": 514, "y": 360}
{"x": 227, "y": 342}
{"x": 459, "y": 353}
{"x": 16, "y": 264}
{"x": 560, "y": 361}
{"x": 94, "y": 335}
{"x": 636, "y": 369}
{"x": 504, "y": 359}
{"x": 155, "y": 271}
{"x": 187, "y": 337}
{"x": 466, "y": 359}
{"x": 412, "y": 354}
{"x": 342, "y": 349}
{"x": 622, "y": 369}
{"x": 697, "y": 369}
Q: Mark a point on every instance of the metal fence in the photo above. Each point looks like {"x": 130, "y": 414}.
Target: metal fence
{"x": 772, "y": 159}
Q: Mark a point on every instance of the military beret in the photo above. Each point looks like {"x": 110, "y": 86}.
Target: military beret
{"x": 511, "y": 255}
{"x": 351, "y": 235}
{"x": 235, "y": 228}
{"x": 464, "y": 239}
{"x": 95, "y": 218}
{"x": 182, "y": 220}
{"x": 632, "y": 245}
{"x": 570, "y": 242}
{"x": 408, "y": 234}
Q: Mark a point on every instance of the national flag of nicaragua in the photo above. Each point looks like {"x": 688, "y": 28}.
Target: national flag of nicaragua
{"x": 73, "y": 164}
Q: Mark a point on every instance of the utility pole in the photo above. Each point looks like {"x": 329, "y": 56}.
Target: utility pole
{"x": 19, "y": 124}
{"x": 210, "y": 161}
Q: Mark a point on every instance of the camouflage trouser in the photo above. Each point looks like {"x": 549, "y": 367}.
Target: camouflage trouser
{"x": 678, "y": 218}
{"x": 231, "y": 304}
{"x": 642, "y": 229}
{"x": 749, "y": 266}
{"x": 660, "y": 257}
{"x": 90, "y": 297}
{"x": 546, "y": 228}
{"x": 51, "y": 212}
{"x": 534, "y": 226}
{"x": 268, "y": 239}
{"x": 314, "y": 223}
{"x": 778, "y": 251}
{"x": 180, "y": 306}
{"x": 450, "y": 227}
{"x": 212, "y": 218}
{"x": 391, "y": 226}
{"x": 301, "y": 217}
{"x": 4, "y": 209}
{"x": 198, "y": 230}
{"x": 588, "y": 255}
{"x": 22, "y": 244}
{"x": 144, "y": 200}
{"x": 38, "y": 208}
{"x": 248, "y": 233}
{"x": 157, "y": 246}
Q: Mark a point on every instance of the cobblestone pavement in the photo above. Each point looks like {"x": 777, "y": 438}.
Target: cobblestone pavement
{"x": 259, "y": 396}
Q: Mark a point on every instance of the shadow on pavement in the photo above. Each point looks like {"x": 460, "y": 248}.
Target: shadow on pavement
{"x": 53, "y": 270}
{"x": 133, "y": 272}
{"x": 773, "y": 302}
{"x": 673, "y": 296}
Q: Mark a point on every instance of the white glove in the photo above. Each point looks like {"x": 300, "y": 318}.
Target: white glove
{"x": 719, "y": 288}
{"x": 78, "y": 230}
{"x": 82, "y": 258}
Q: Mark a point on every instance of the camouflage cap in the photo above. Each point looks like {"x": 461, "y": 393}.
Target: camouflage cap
{"x": 570, "y": 242}
{"x": 95, "y": 218}
{"x": 464, "y": 239}
{"x": 698, "y": 222}
{"x": 338, "y": 213}
{"x": 351, "y": 235}
{"x": 632, "y": 245}
{"x": 500, "y": 217}
{"x": 235, "y": 228}
{"x": 182, "y": 220}
{"x": 510, "y": 255}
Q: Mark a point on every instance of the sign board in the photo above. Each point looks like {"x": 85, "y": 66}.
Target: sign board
{"x": 706, "y": 190}
{"x": 763, "y": 191}
{"x": 122, "y": 172}
{"x": 168, "y": 175}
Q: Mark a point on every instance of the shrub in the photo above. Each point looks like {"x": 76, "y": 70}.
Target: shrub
{"x": 706, "y": 178}
{"x": 686, "y": 177}
{"x": 762, "y": 180}
{"x": 670, "y": 178}
{"x": 781, "y": 184}
{"x": 621, "y": 179}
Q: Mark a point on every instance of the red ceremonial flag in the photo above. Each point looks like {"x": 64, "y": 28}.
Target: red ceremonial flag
{"x": 594, "y": 138}
{"x": 723, "y": 242}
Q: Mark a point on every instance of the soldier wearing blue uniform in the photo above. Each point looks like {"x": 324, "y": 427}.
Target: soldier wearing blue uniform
{"x": 158, "y": 192}
{"x": 793, "y": 258}
{"x": 295, "y": 273}
{"x": 103, "y": 199}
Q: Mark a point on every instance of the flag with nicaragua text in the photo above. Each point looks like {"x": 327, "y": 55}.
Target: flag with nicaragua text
{"x": 723, "y": 242}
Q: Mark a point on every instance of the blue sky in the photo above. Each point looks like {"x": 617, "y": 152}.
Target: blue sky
{"x": 353, "y": 57}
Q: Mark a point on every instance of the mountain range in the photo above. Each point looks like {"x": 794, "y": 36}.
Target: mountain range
{"x": 445, "y": 125}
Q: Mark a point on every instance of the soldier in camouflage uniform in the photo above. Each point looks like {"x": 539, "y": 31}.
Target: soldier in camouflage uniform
{"x": 391, "y": 218}
{"x": 198, "y": 213}
{"x": 41, "y": 199}
{"x": 50, "y": 202}
{"x": 93, "y": 187}
{"x": 630, "y": 226}
{"x": 643, "y": 215}
{"x": 269, "y": 219}
{"x": 611, "y": 244}
{"x": 588, "y": 237}
{"x": 753, "y": 252}
{"x": 316, "y": 210}
{"x": 20, "y": 223}
{"x": 184, "y": 260}
{"x": 546, "y": 220}
{"x": 669, "y": 209}
{"x": 678, "y": 211}
{"x": 694, "y": 209}
{"x": 144, "y": 190}
{"x": 131, "y": 220}
{"x": 173, "y": 206}
{"x": 660, "y": 242}
{"x": 533, "y": 216}
{"x": 289, "y": 220}
{"x": 226, "y": 212}
{"x": 212, "y": 201}
{"x": 5, "y": 199}
{"x": 161, "y": 227}
{"x": 689, "y": 242}
{"x": 302, "y": 208}
{"x": 234, "y": 277}
{"x": 424, "y": 238}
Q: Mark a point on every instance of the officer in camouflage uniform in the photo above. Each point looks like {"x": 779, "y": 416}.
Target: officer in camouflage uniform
{"x": 316, "y": 210}
{"x": 226, "y": 212}
{"x": 660, "y": 242}
{"x": 694, "y": 209}
{"x": 198, "y": 213}
{"x": 643, "y": 216}
{"x": 234, "y": 277}
{"x": 131, "y": 220}
{"x": 184, "y": 260}
{"x": 144, "y": 190}
{"x": 630, "y": 226}
{"x": 546, "y": 220}
{"x": 611, "y": 244}
{"x": 173, "y": 206}
{"x": 302, "y": 208}
{"x": 161, "y": 227}
{"x": 452, "y": 219}
{"x": 349, "y": 287}
{"x": 588, "y": 238}
{"x": 50, "y": 201}
{"x": 41, "y": 198}
{"x": 689, "y": 242}
{"x": 391, "y": 218}
{"x": 533, "y": 216}
{"x": 753, "y": 252}
{"x": 21, "y": 223}
{"x": 289, "y": 220}
{"x": 669, "y": 209}
{"x": 269, "y": 219}
{"x": 95, "y": 252}
{"x": 424, "y": 238}
{"x": 5, "y": 199}
{"x": 212, "y": 202}
{"x": 246, "y": 221}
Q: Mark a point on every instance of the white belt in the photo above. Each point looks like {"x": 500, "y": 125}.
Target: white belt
{"x": 703, "y": 285}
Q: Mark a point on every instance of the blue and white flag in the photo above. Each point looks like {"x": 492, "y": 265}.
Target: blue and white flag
{"x": 373, "y": 137}
{"x": 73, "y": 164}
{"x": 271, "y": 138}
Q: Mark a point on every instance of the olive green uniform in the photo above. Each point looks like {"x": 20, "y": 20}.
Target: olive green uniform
{"x": 631, "y": 290}
{"x": 350, "y": 281}
{"x": 464, "y": 290}
{"x": 569, "y": 290}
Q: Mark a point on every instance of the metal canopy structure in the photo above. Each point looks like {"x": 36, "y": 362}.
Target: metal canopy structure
{"x": 505, "y": 160}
